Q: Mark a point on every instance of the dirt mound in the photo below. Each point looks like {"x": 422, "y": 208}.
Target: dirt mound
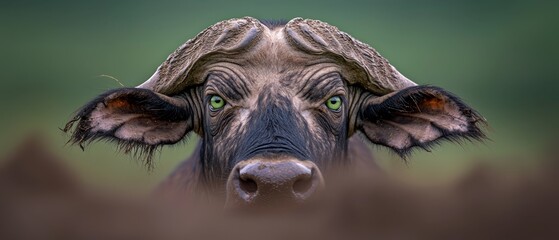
{"x": 40, "y": 199}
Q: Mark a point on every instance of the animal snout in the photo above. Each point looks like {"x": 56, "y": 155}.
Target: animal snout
{"x": 263, "y": 182}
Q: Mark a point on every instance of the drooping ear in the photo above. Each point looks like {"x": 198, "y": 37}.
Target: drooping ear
{"x": 139, "y": 120}
{"x": 418, "y": 116}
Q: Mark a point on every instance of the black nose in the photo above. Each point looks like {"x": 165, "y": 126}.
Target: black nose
{"x": 257, "y": 182}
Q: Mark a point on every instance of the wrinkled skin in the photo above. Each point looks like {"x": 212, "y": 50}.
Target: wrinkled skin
{"x": 275, "y": 106}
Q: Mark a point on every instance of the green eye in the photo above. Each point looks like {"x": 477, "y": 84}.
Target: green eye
{"x": 216, "y": 102}
{"x": 334, "y": 103}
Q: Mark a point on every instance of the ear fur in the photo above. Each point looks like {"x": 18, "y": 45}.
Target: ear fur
{"x": 139, "y": 120}
{"x": 418, "y": 116}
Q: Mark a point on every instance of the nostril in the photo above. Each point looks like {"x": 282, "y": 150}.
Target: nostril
{"x": 248, "y": 185}
{"x": 302, "y": 186}
{"x": 264, "y": 182}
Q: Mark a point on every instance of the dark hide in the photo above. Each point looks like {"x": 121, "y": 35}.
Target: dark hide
{"x": 275, "y": 129}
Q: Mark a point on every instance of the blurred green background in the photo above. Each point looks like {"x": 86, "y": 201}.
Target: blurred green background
{"x": 499, "y": 56}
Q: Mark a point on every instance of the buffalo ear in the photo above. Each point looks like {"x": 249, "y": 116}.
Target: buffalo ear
{"x": 418, "y": 117}
{"x": 139, "y": 120}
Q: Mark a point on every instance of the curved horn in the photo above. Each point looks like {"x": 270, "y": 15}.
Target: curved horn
{"x": 229, "y": 37}
{"x": 316, "y": 37}
{"x": 232, "y": 36}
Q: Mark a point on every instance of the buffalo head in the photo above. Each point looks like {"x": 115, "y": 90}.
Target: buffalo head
{"x": 274, "y": 105}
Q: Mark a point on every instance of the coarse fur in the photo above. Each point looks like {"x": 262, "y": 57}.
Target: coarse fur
{"x": 403, "y": 104}
{"x": 145, "y": 102}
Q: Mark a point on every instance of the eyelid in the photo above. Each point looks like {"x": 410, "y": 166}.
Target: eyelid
{"x": 224, "y": 87}
{"x": 336, "y": 92}
{"x": 210, "y": 91}
{"x": 342, "y": 99}
{"x": 339, "y": 91}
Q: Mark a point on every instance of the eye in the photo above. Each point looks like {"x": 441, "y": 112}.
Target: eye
{"x": 334, "y": 103}
{"x": 216, "y": 102}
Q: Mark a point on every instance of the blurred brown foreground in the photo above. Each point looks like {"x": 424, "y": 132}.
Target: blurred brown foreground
{"x": 40, "y": 199}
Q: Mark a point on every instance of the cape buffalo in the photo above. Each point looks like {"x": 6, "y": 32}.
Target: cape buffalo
{"x": 275, "y": 104}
